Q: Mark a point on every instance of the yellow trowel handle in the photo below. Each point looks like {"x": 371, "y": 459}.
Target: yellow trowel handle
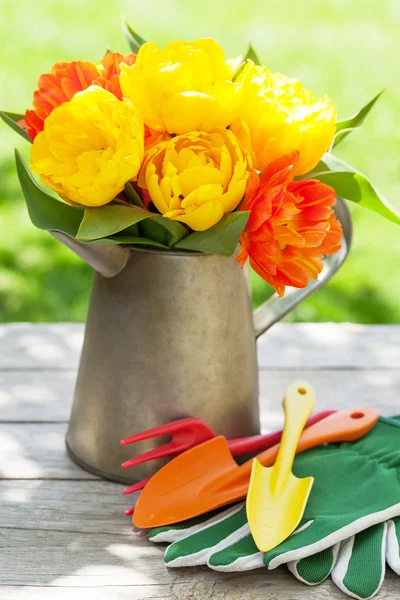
{"x": 298, "y": 404}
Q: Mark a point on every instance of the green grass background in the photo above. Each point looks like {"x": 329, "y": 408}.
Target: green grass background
{"x": 346, "y": 48}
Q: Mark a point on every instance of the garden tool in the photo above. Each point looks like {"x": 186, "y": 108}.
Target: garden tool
{"x": 196, "y": 540}
{"x": 357, "y": 565}
{"x": 207, "y": 477}
{"x": 357, "y": 486}
{"x": 187, "y": 433}
{"x": 276, "y": 498}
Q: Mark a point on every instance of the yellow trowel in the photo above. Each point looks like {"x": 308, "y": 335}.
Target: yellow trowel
{"x": 276, "y": 499}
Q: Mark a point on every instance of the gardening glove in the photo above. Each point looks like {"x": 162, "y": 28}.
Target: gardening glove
{"x": 195, "y": 540}
{"x": 356, "y": 485}
{"x": 357, "y": 565}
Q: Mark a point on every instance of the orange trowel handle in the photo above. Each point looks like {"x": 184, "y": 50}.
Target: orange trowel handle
{"x": 343, "y": 426}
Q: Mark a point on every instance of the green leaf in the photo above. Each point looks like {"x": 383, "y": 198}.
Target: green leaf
{"x": 45, "y": 211}
{"x": 352, "y": 185}
{"x": 133, "y": 195}
{"x": 251, "y": 54}
{"x": 114, "y": 240}
{"x": 221, "y": 239}
{"x": 132, "y": 230}
{"x": 103, "y": 221}
{"x": 134, "y": 39}
{"x": 174, "y": 231}
{"x": 346, "y": 126}
{"x": 238, "y": 71}
{"x": 163, "y": 230}
{"x": 152, "y": 230}
{"x": 12, "y": 121}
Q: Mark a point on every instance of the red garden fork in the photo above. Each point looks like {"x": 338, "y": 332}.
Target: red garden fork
{"x": 187, "y": 433}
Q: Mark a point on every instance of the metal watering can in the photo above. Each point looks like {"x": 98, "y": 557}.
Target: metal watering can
{"x": 169, "y": 335}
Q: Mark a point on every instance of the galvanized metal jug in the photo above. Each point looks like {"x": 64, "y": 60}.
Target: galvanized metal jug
{"x": 169, "y": 335}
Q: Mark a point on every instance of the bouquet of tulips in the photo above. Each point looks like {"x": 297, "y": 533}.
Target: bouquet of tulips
{"x": 180, "y": 149}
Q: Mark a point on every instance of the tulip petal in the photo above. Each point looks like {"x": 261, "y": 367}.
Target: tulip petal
{"x": 190, "y": 111}
{"x": 184, "y": 87}
{"x": 193, "y": 170}
{"x": 291, "y": 226}
{"x": 201, "y": 218}
{"x": 154, "y": 190}
{"x": 234, "y": 195}
{"x": 194, "y": 177}
{"x": 90, "y": 147}
{"x": 279, "y": 116}
{"x": 137, "y": 88}
{"x": 202, "y": 195}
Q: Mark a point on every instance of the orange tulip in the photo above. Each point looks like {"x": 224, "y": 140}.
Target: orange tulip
{"x": 109, "y": 78}
{"x": 291, "y": 225}
{"x": 66, "y": 79}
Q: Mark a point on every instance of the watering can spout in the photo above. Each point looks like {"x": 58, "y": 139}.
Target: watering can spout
{"x": 106, "y": 260}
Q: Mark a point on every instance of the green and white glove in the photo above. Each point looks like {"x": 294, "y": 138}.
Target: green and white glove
{"x": 356, "y": 485}
{"x": 195, "y": 540}
{"x": 357, "y": 565}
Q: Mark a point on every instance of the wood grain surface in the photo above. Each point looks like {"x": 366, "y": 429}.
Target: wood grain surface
{"x": 63, "y": 533}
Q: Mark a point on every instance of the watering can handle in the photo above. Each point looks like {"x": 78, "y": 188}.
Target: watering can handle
{"x": 275, "y": 308}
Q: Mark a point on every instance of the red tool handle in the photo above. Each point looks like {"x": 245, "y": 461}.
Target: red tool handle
{"x": 257, "y": 443}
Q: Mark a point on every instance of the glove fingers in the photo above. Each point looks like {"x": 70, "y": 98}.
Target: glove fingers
{"x": 306, "y": 540}
{"x": 393, "y": 545}
{"x": 172, "y": 533}
{"x": 242, "y": 555}
{"x": 195, "y": 549}
{"x": 360, "y": 568}
{"x": 316, "y": 568}
{"x": 245, "y": 556}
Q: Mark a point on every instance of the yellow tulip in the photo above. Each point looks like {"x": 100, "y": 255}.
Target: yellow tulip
{"x": 196, "y": 178}
{"x": 280, "y": 116}
{"x": 90, "y": 147}
{"x": 185, "y": 87}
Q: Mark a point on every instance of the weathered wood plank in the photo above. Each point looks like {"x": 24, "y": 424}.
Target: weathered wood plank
{"x": 92, "y": 506}
{"x": 40, "y": 346}
{"x": 36, "y": 395}
{"x": 59, "y": 563}
{"x": 73, "y": 535}
{"x": 37, "y": 451}
{"x": 47, "y": 396}
{"x": 330, "y": 345}
{"x": 286, "y": 345}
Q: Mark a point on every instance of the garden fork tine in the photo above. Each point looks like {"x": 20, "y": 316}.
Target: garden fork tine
{"x": 136, "y": 487}
{"x": 185, "y": 433}
{"x": 129, "y": 512}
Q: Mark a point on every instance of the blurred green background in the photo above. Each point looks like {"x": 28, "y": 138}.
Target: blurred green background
{"x": 346, "y": 48}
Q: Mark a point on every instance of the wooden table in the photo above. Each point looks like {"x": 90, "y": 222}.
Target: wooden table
{"x": 63, "y": 532}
